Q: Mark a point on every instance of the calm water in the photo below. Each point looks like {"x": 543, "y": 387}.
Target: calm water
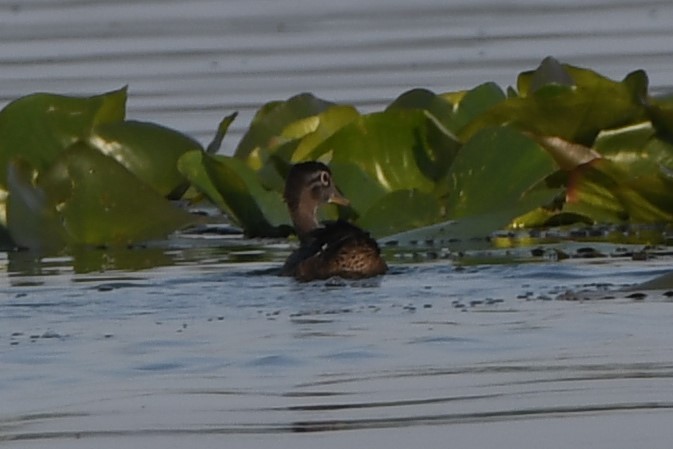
{"x": 201, "y": 345}
{"x": 216, "y": 352}
{"x": 189, "y": 63}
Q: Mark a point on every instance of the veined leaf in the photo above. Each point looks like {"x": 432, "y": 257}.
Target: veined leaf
{"x": 147, "y": 150}
{"x": 494, "y": 170}
{"x": 637, "y": 145}
{"x": 452, "y": 110}
{"x": 474, "y": 103}
{"x": 575, "y": 113}
{"x": 32, "y": 219}
{"x": 608, "y": 191}
{"x": 234, "y": 187}
{"x": 270, "y": 121}
{"x": 328, "y": 122}
{"x": 397, "y": 149}
{"x": 472, "y": 232}
{"x": 87, "y": 198}
{"x": 39, "y": 126}
{"x": 399, "y": 211}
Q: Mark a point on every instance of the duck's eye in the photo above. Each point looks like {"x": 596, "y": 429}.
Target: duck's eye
{"x": 325, "y": 179}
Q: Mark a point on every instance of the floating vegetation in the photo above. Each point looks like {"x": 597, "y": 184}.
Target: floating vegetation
{"x": 565, "y": 146}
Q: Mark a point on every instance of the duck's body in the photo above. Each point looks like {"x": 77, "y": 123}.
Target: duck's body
{"x": 336, "y": 249}
{"x": 331, "y": 249}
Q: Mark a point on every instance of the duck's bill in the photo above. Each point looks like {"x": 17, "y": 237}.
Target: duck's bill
{"x": 338, "y": 198}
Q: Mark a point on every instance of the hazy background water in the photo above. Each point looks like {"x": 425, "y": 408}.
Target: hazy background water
{"x": 204, "y": 351}
{"x": 189, "y": 63}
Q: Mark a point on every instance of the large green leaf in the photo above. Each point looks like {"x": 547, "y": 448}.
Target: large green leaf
{"x": 147, "y": 150}
{"x": 398, "y": 149}
{"x": 494, "y": 170}
{"x": 361, "y": 188}
{"x": 87, "y": 198}
{"x": 549, "y": 72}
{"x": 474, "y": 103}
{"x": 401, "y": 210}
{"x": 32, "y": 218}
{"x": 638, "y": 145}
{"x": 472, "y": 232}
{"x": 326, "y": 124}
{"x": 301, "y": 137}
{"x": 39, "y": 126}
{"x": 270, "y": 121}
{"x": 452, "y": 110}
{"x": 576, "y": 113}
{"x": 235, "y": 188}
{"x": 441, "y": 108}
{"x": 191, "y": 167}
{"x": 591, "y": 194}
{"x": 609, "y": 191}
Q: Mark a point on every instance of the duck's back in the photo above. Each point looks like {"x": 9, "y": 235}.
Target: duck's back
{"x": 337, "y": 249}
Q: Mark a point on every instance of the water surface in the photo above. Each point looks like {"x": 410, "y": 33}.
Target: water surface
{"x": 201, "y": 353}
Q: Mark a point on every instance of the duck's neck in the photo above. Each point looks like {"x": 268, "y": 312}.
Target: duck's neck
{"x": 304, "y": 219}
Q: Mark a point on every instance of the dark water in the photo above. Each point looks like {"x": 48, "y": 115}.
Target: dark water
{"x": 202, "y": 345}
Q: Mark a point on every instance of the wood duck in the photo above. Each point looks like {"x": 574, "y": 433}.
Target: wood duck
{"x": 330, "y": 249}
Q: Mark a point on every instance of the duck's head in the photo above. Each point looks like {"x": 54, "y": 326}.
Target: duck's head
{"x": 308, "y": 185}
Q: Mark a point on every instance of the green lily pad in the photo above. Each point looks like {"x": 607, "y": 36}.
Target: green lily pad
{"x": 448, "y": 234}
{"x": 300, "y": 137}
{"x": 39, "y": 126}
{"x": 647, "y": 199}
{"x": 361, "y": 189}
{"x": 494, "y": 170}
{"x": 235, "y": 188}
{"x": 87, "y": 198}
{"x": 472, "y": 232}
{"x": 638, "y": 144}
{"x": 400, "y": 149}
{"x": 439, "y": 107}
{"x": 327, "y": 123}
{"x": 474, "y": 103}
{"x": 575, "y": 113}
{"x": 270, "y": 121}
{"x": 591, "y": 194}
{"x": 32, "y": 219}
{"x": 147, "y": 150}
{"x": 549, "y": 72}
{"x": 452, "y": 110}
{"x": 399, "y": 211}
{"x": 611, "y": 192}
{"x": 191, "y": 166}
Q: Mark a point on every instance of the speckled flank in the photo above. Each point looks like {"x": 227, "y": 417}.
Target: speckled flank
{"x": 356, "y": 259}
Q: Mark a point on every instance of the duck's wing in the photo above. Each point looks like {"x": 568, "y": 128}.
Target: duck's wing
{"x": 336, "y": 249}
